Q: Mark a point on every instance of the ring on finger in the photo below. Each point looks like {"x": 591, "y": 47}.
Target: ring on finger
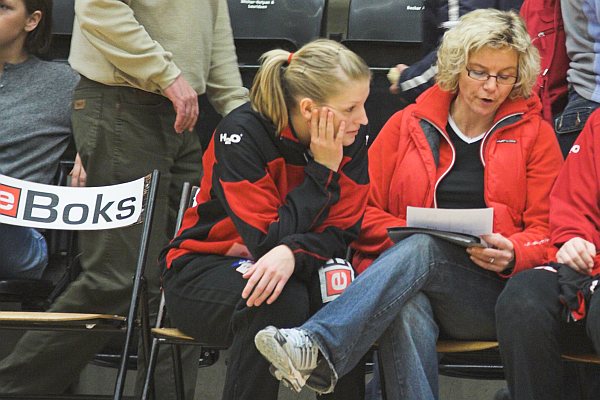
{"x": 492, "y": 259}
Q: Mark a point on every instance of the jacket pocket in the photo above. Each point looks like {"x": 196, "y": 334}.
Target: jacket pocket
{"x": 572, "y": 120}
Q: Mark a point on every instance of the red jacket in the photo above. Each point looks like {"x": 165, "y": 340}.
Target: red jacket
{"x": 575, "y": 198}
{"x": 520, "y": 155}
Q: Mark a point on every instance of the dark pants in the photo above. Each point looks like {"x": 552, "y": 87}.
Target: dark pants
{"x": 203, "y": 297}
{"x": 532, "y": 335}
{"x": 570, "y": 122}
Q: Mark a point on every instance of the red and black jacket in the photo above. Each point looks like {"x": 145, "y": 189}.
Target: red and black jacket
{"x": 260, "y": 190}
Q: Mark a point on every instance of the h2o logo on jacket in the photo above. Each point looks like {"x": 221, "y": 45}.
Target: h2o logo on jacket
{"x": 335, "y": 276}
{"x": 229, "y": 139}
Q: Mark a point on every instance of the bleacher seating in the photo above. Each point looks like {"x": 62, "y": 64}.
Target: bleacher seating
{"x": 384, "y": 33}
{"x": 62, "y": 26}
{"x": 259, "y": 26}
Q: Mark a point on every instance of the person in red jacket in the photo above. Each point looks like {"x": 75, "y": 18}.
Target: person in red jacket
{"x": 553, "y": 308}
{"x": 284, "y": 190}
{"x": 476, "y": 139}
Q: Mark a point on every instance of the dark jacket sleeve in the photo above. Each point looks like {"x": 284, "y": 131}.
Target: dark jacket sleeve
{"x": 418, "y": 77}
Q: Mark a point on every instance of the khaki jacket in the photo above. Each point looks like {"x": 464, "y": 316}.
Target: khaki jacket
{"x": 146, "y": 44}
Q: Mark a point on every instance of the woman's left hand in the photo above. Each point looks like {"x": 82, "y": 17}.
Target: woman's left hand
{"x": 326, "y": 145}
{"x": 498, "y": 257}
{"x": 268, "y": 276}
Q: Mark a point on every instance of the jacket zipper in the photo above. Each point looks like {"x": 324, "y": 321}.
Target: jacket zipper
{"x": 454, "y": 151}
{"x": 449, "y": 168}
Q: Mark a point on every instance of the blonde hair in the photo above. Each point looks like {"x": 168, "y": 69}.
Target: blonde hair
{"x": 318, "y": 70}
{"x": 487, "y": 28}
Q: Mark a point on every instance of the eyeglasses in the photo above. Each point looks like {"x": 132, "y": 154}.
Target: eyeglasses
{"x": 484, "y": 76}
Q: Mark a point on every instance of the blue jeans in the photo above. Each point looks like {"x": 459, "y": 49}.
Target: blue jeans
{"x": 411, "y": 336}
{"x": 418, "y": 285}
{"x": 24, "y": 252}
{"x": 570, "y": 122}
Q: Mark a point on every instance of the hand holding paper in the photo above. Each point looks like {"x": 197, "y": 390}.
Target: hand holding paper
{"x": 459, "y": 226}
{"x": 498, "y": 257}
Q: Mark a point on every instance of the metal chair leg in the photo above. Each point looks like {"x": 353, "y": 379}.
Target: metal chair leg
{"x": 148, "y": 391}
{"x": 178, "y": 370}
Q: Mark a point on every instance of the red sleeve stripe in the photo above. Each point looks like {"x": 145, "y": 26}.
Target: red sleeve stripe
{"x": 254, "y": 203}
{"x": 314, "y": 255}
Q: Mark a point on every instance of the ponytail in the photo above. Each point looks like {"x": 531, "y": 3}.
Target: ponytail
{"x": 319, "y": 70}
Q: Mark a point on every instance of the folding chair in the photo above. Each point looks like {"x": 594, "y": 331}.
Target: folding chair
{"x": 454, "y": 367}
{"x": 481, "y": 360}
{"x": 73, "y": 208}
{"x": 173, "y": 336}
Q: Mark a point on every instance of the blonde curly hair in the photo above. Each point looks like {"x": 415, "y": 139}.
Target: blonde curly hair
{"x": 487, "y": 28}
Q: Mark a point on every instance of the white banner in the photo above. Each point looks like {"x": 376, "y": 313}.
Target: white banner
{"x": 70, "y": 208}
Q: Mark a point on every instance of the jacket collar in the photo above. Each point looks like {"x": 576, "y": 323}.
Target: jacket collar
{"x": 290, "y": 147}
{"x": 434, "y": 105}
{"x": 288, "y": 134}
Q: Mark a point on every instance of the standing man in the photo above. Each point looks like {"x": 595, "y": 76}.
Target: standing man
{"x": 143, "y": 64}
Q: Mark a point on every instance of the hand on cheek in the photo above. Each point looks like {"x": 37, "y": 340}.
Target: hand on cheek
{"x": 326, "y": 144}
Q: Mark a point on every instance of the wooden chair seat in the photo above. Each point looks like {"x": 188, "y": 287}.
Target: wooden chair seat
{"x": 61, "y": 321}
{"x": 171, "y": 333}
{"x": 54, "y": 317}
{"x": 584, "y": 358}
{"x": 460, "y": 346}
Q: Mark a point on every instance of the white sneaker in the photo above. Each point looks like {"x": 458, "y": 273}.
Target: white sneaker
{"x": 292, "y": 353}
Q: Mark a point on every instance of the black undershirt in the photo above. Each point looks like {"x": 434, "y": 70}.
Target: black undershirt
{"x": 462, "y": 187}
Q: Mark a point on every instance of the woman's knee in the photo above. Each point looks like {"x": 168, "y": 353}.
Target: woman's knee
{"x": 290, "y": 309}
{"x": 593, "y": 324}
{"x": 417, "y": 313}
{"x": 416, "y": 252}
{"x": 529, "y": 299}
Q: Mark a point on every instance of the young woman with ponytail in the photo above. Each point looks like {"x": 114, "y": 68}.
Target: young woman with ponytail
{"x": 284, "y": 190}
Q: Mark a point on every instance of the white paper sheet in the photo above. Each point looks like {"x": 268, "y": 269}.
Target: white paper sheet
{"x": 474, "y": 221}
